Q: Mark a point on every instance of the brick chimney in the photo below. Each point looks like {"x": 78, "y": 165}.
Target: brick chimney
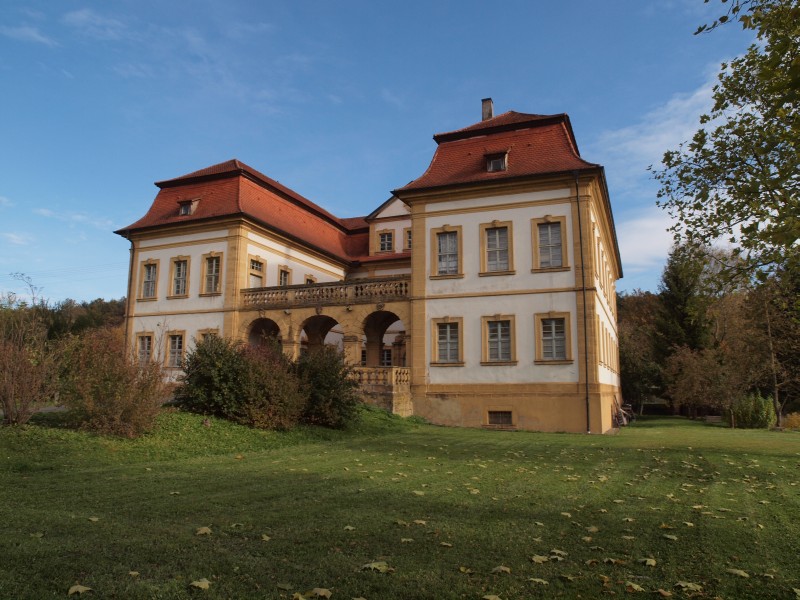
{"x": 487, "y": 109}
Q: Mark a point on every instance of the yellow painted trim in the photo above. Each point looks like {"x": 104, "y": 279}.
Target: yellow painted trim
{"x": 485, "y": 320}
{"x": 481, "y": 294}
{"x": 483, "y": 190}
{"x": 538, "y": 318}
{"x": 204, "y": 288}
{"x": 536, "y": 244}
{"x": 309, "y": 279}
{"x": 139, "y": 336}
{"x": 168, "y": 349}
{"x": 172, "y": 261}
{"x": 408, "y": 238}
{"x": 435, "y": 362}
{"x": 484, "y": 250}
{"x": 251, "y": 272}
{"x": 490, "y": 208}
{"x": 435, "y": 251}
{"x": 142, "y": 265}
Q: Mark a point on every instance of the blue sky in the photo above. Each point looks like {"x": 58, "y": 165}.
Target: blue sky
{"x": 337, "y": 100}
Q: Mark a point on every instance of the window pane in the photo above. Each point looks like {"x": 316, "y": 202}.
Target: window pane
{"x": 386, "y": 244}
{"x": 554, "y": 340}
{"x": 212, "y": 274}
{"x": 447, "y": 342}
{"x": 549, "y": 245}
{"x": 179, "y": 283}
{"x": 448, "y": 253}
{"x": 256, "y": 281}
{"x": 497, "y": 249}
{"x": 175, "y": 351}
{"x": 499, "y": 333}
{"x": 145, "y": 349}
{"x": 149, "y": 285}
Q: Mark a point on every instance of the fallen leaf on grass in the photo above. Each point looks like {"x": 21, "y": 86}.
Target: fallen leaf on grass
{"x": 418, "y": 493}
{"x": 688, "y": 524}
{"x": 567, "y": 577}
{"x": 349, "y": 528}
{"x": 380, "y": 566}
{"x": 491, "y": 597}
{"x": 592, "y": 529}
{"x": 796, "y": 592}
{"x": 664, "y": 593}
{"x": 465, "y": 570}
{"x": 566, "y": 514}
{"x": 446, "y": 544}
{"x": 501, "y": 569}
{"x": 688, "y": 585}
{"x": 203, "y": 531}
{"x": 420, "y": 522}
{"x": 558, "y": 552}
{"x": 648, "y": 562}
{"x": 539, "y": 581}
{"x": 738, "y": 573}
{"x": 318, "y": 593}
{"x": 406, "y": 540}
{"x": 78, "y": 589}
{"x": 38, "y": 534}
{"x": 133, "y": 573}
{"x": 538, "y": 559}
{"x": 201, "y": 583}
{"x": 285, "y": 586}
{"x": 265, "y": 537}
{"x": 632, "y": 587}
{"x": 613, "y": 561}
{"x": 667, "y": 536}
{"x": 94, "y": 519}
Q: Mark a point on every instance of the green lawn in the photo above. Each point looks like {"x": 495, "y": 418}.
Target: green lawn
{"x": 443, "y": 508}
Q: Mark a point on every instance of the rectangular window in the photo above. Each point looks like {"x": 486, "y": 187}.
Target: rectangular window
{"x": 554, "y": 339}
{"x": 498, "y": 339}
{"x": 495, "y": 162}
{"x": 144, "y": 351}
{"x": 256, "y": 279}
{"x": 175, "y": 350}
{"x": 212, "y": 279}
{"x": 150, "y": 275}
{"x": 446, "y": 342}
{"x": 180, "y": 272}
{"x": 497, "y": 248}
{"x": 386, "y": 357}
{"x": 284, "y": 276}
{"x": 407, "y": 237}
{"x": 185, "y": 208}
{"x": 500, "y": 417}
{"x": 385, "y": 241}
{"x": 447, "y": 252}
{"x": 549, "y": 243}
{"x": 310, "y": 280}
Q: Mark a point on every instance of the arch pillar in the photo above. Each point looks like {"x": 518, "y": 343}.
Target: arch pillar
{"x": 351, "y": 345}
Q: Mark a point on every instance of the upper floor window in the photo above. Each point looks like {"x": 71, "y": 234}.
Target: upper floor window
{"x": 497, "y": 256}
{"x": 549, "y": 244}
{"x": 385, "y": 241}
{"x": 256, "y": 273}
{"x": 284, "y": 275}
{"x": 180, "y": 276}
{"x": 149, "y": 279}
{"x": 446, "y": 254}
{"x": 495, "y": 162}
{"x": 407, "y": 232}
{"x": 213, "y": 271}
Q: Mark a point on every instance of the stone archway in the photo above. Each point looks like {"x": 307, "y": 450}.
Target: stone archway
{"x": 314, "y": 331}
{"x": 261, "y": 330}
{"x": 384, "y": 333}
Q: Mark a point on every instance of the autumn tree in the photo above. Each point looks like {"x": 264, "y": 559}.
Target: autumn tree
{"x": 737, "y": 180}
{"x": 640, "y": 371}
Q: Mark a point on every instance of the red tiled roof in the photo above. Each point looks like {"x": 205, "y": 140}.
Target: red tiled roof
{"x": 536, "y": 145}
{"x": 234, "y": 189}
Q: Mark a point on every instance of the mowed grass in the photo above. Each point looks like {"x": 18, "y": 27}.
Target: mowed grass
{"x": 442, "y": 507}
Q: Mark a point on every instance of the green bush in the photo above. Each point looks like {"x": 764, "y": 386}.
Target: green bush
{"x": 250, "y": 385}
{"x": 332, "y": 391}
{"x": 213, "y": 379}
{"x": 753, "y": 412}
{"x": 105, "y": 389}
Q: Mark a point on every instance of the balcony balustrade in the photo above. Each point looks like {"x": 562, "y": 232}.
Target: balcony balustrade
{"x": 339, "y": 293}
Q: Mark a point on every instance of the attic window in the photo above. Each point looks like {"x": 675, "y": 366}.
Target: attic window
{"x": 186, "y": 207}
{"x": 495, "y": 162}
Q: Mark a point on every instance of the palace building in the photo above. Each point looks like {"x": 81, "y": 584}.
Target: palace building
{"x": 481, "y": 294}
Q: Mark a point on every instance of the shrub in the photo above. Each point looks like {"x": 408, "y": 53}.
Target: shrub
{"x": 250, "y": 385}
{"x": 753, "y": 411}
{"x": 105, "y": 389}
{"x": 28, "y": 362}
{"x": 792, "y": 421}
{"x": 332, "y": 391}
{"x": 213, "y": 377}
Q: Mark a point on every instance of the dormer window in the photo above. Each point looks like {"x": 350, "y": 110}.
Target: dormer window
{"x": 495, "y": 162}
{"x": 186, "y": 207}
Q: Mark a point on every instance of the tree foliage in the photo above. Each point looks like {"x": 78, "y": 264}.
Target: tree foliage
{"x": 738, "y": 179}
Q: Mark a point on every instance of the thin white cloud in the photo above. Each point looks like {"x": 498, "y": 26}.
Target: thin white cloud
{"x": 644, "y": 241}
{"x": 17, "y": 239}
{"x": 5, "y": 202}
{"x": 26, "y": 33}
{"x": 393, "y": 99}
{"x": 94, "y": 25}
{"x": 76, "y": 218}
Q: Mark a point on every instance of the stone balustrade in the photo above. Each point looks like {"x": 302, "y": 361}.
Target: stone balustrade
{"x": 339, "y": 293}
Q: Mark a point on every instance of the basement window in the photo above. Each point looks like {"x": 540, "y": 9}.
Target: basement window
{"x": 500, "y": 417}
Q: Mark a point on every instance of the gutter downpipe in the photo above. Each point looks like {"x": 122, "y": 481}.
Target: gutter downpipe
{"x": 583, "y": 291}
